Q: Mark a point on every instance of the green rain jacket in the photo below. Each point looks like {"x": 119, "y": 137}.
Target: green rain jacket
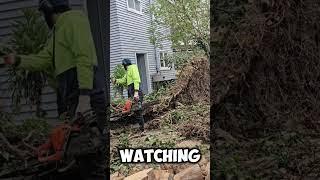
{"x": 74, "y": 47}
{"x": 132, "y": 76}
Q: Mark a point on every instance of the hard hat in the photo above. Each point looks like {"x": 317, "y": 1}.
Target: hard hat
{"x": 126, "y": 62}
{"x": 50, "y": 5}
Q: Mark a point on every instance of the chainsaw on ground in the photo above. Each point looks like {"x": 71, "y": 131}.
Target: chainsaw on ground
{"x": 130, "y": 106}
{"x": 67, "y": 142}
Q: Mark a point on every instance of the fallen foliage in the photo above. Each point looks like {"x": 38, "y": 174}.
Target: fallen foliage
{"x": 18, "y": 142}
{"x": 265, "y": 92}
{"x": 191, "y": 86}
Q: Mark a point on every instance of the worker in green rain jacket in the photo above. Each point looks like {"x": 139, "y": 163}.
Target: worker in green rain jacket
{"x": 132, "y": 80}
{"x": 71, "y": 55}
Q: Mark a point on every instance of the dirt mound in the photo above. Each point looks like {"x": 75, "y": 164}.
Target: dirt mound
{"x": 191, "y": 87}
{"x": 265, "y": 85}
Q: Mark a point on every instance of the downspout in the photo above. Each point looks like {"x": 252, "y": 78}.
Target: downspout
{"x": 154, "y": 46}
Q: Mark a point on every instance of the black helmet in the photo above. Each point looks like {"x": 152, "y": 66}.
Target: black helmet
{"x": 50, "y": 6}
{"x": 126, "y": 62}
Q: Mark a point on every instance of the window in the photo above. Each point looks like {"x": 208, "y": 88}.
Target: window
{"x": 164, "y": 64}
{"x": 134, "y": 5}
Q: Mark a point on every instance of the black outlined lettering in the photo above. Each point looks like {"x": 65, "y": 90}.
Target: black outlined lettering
{"x": 181, "y": 155}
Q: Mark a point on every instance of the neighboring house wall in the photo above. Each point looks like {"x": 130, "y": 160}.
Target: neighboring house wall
{"x": 10, "y": 10}
{"x": 115, "y": 43}
{"x": 129, "y": 36}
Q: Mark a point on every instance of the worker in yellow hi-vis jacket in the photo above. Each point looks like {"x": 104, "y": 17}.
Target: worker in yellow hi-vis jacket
{"x": 132, "y": 80}
{"x": 70, "y": 53}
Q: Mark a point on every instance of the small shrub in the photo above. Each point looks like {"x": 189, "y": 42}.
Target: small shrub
{"x": 155, "y": 95}
{"x": 118, "y": 73}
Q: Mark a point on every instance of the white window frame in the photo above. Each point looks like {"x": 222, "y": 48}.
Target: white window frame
{"x": 133, "y": 9}
{"x": 163, "y": 67}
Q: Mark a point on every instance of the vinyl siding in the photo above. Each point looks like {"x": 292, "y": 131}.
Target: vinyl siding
{"x": 115, "y": 42}
{"x": 10, "y": 10}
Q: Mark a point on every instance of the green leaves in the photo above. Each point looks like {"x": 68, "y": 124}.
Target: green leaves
{"x": 118, "y": 73}
{"x": 180, "y": 59}
{"x": 187, "y": 20}
{"x": 29, "y": 35}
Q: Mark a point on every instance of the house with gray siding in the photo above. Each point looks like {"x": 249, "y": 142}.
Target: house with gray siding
{"x": 129, "y": 38}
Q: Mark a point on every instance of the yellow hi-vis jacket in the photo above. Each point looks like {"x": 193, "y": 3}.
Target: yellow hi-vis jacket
{"x": 132, "y": 76}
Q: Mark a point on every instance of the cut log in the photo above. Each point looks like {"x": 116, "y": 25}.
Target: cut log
{"x": 191, "y": 173}
{"x": 142, "y": 175}
{"x": 208, "y": 172}
{"x": 159, "y": 175}
{"x": 117, "y": 176}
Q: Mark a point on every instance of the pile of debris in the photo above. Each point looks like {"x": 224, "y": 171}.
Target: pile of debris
{"x": 265, "y": 91}
{"x": 191, "y": 86}
{"x": 18, "y": 142}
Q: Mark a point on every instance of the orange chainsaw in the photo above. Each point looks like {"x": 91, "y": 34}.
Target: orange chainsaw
{"x": 69, "y": 140}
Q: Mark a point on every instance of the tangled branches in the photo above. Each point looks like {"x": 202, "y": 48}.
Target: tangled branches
{"x": 265, "y": 85}
{"x": 272, "y": 63}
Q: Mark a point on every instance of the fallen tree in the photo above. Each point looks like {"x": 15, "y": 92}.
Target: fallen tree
{"x": 265, "y": 90}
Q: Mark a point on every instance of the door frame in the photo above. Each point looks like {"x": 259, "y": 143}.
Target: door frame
{"x": 146, "y": 63}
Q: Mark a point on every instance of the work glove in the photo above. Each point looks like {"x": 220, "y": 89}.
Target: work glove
{"x": 136, "y": 96}
{"x": 84, "y": 104}
{"x": 10, "y": 59}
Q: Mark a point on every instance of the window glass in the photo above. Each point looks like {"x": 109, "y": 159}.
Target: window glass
{"x": 137, "y": 5}
{"x": 131, "y": 4}
{"x": 163, "y": 62}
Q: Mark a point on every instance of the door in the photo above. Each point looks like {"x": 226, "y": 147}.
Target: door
{"x": 141, "y": 62}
